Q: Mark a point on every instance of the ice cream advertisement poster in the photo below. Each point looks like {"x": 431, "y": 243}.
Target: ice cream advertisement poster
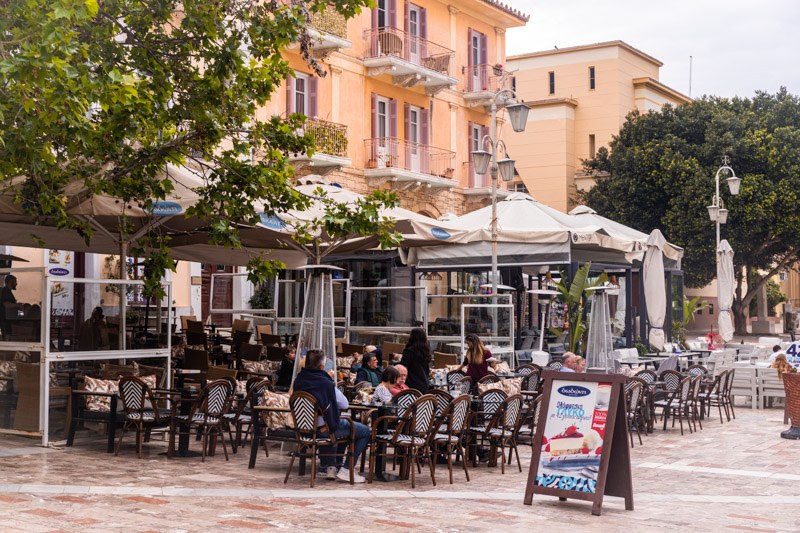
{"x": 574, "y": 429}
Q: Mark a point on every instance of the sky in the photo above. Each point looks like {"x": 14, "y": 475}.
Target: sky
{"x": 737, "y": 46}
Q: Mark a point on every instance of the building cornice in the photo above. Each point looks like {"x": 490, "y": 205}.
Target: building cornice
{"x": 608, "y": 44}
{"x": 660, "y": 88}
{"x": 552, "y": 102}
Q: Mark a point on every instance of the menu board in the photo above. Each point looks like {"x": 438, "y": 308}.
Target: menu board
{"x": 579, "y": 452}
{"x": 60, "y": 266}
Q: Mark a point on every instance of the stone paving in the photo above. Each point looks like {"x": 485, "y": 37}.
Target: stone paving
{"x": 737, "y": 476}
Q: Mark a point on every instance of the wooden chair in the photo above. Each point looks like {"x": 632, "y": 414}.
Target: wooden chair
{"x": 406, "y": 398}
{"x": 195, "y": 326}
{"x": 633, "y": 402}
{"x": 205, "y": 414}
{"x": 480, "y": 421}
{"x": 529, "y": 387}
{"x": 450, "y": 433}
{"x": 185, "y": 322}
{"x": 465, "y": 385}
{"x": 305, "y": 412}
{"x": 442, "y": 360}
{"x": 530, "y": 420}
{"x": 250, "y": 352}
{"x": 524, "y": 370}
{"x": 79, "y": 412}
{"x": 215, "y": 372}
{"x": 274, "y": 353}
{"x": 502, "y": 432}
{"x": 697, "y": 370}
{"x": 195, "y": 359}
{"x": 412, "y": 439}
{"x": 140, "y": 410}
{"x": 672, "y": 379}
{"x": 647, "y": 375}
{"x": 268, "y": 339}
{"x": 491, "y": 378}
{"x": 349, "y": 349}
{"x": 555, "y": 364}
{"x": 264, "y": 329}
{"x": 243, "y": 415}
{"x": 676, "y": 404}
{"x": 391, "y": 348}
{"x": 453, "y": 380}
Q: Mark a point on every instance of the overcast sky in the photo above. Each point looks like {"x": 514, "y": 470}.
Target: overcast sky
{"x": 738, "y": 46}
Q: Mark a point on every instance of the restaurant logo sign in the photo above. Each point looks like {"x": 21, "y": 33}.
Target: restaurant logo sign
{"x": 59, "y": 271}
{"x": 165, "y": 208}
{"x": 272, "y": 221}
{"x": 574, "y": 391}
{"x": 581, "y": 238}
{"x": 439, "y": 233}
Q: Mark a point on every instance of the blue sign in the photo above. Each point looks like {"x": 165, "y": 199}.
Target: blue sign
{"x": 574, "y": 391}
{"x": 58, "y": 271}
{"x": 272, "y": 222}
{"x": 439, "y": 233}
{"x": 164, "y": 208}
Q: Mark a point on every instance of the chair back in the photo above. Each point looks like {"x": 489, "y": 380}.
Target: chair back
{"x": 696, "y": 382}
{"x": 491, "y": 378}
{"x": 697, "y": 370}
{"x": 685, "y": 388}
{"x": 443, "y": 400}
{"x": 530, "y": 383}
{"x": 240, "y": 337}
{"x": 537, "y": 411}
{"x": 250, "y": 352}
{"x": 672, "y": 379}
{"x": 441, "y": 359}
{"x": 465, "y": 385}
{"x": 555, "y": 364}
{"x": 305, "y": 412}
{"x": 406, "y": 398}
{"x": 391, "y": 348}
{"x": 274, "y": 353}
{"x": 195, "y": 326}
{"x": 454, "y": 378}
{"x": 215, "y": 372}
{"x": 511, "y": 411}
{"x": 491, "y": 400}
{"x": 420, "y": 416}
{"x": 633, "y": 390}
{"x": 524, "y": 370}
{"x": 647, "y": 375}
{"x": 136, "y": 398}
{"x": 456, "y": 414}
{"x": 263, "y": 328}
{"x": 729, "y": 382}
{"x": 268, "y": 339}
{"x": 240, "y": 325}
{"x": 350, "y": 349}
{"x": 196, "y": 338}
{"x": 213, "y": 400}
{"x": 195, "y": 359}
{"x": 185, "y": 321}
{"x": 362, "y": 385}
{"x": 255, "y": 391}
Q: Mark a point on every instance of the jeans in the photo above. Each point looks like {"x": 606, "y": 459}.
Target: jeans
{"x": 362, "y": 434}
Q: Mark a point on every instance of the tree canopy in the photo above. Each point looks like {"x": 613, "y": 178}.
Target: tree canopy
{"x": 662, "y": 167}
{"x": 109, "y": 93}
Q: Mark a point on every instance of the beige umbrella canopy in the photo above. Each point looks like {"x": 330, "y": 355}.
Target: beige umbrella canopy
{"x": 725, "y": 286}
{"x": 655, "y": 293}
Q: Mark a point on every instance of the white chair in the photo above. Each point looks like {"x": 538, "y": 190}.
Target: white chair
{"x": 745, "y": 384}
{"x": 746, "y": 348}
{"x": 712, "y": 361}
{"x": 770, "y": 385}
{"x": 769, "y": 340}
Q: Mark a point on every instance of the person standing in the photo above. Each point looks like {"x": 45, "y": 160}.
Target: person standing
{"x": 8, "y": 304}
{"x": 476, "y": 359}
{"x": 417, "y": 360}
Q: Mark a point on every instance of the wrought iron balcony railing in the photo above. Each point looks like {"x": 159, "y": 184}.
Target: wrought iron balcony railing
{"x": 388, "y": 41}
{"x": 389, "y": 152}
{"x": 329, "y": 21}
{"x": 475, "y": 180}
{"x": 484, "y": 78}
{"x": 329, "y": 138}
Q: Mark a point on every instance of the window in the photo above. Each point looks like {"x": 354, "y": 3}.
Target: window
{"x": 382, "y": 14}
{"x": 519, "y": 187}
{"x": 591, "y": 78}
{"x": 711, "y": 309}
{"x": 514, "y": 84}
{"x": 592, "y": 151}
{"x": 383, "y": 117}
{"x": 300, "y": 94}
{"x": 552, "y": 76}
{"x": 783, "y": 275}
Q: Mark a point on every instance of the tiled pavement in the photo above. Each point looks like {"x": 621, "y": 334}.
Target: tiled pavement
{"x": 739, "y": 476}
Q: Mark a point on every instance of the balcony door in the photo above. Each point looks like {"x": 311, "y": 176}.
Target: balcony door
{"x": 476, "y": 135}
{"x": 478, "y": 57}
{"x": 413, "y": 135}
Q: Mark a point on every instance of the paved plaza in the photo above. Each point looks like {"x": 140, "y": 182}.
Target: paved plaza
{"x": 738, "y": 476}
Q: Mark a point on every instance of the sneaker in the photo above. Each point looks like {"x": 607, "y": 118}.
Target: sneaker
{"x": 344, "y": 475}
{"x": 330, "y": 472}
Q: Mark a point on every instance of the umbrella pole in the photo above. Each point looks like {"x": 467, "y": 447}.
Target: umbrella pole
{"x": 123, "y": 292}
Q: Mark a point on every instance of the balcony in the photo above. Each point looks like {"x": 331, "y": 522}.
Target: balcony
{"x": 479, "y": 187}
{"x": 330, "y": 153}
{"x": 408, "y": 59}
{"x": 409, "y": 166}
{"x": 328, "y": 32}
{"x": 481, "y": 83}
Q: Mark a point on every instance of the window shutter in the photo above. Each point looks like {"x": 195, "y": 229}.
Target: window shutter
{"x": 393, "y": 118}
{"x": 425, "y": 126}
{"x": 374, "y": 17}
{"x": 289, "y": 95}
{"x": 469, "y": 47}
{"x": 423, "y": 23}
{"x": 374, "y": 102}
{"x": 313, "y": 91}
{"x": 471, "y": 176}
{"x": 484, "y": 49}
{"x": 407, "y": 121}
{"x": 407, "y": 27}
{"x": 392, "y": 13}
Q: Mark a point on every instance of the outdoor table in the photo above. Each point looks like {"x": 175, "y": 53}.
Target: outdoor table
{"x": 182, "y": 373}
{"x": 383, "y": 428}
{"x": 258, "y": 428}
{"x": 187, "y": 393}
{"x": 638, "y": 361}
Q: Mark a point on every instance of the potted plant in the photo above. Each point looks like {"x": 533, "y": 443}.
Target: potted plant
{"x": 448, "y": 173}
{"x": 572, "y": 294}
{"x": 372, "y": 163}
{"x": 498, "y": 69}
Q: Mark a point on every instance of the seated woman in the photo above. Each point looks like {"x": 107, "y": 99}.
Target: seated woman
{"x": 580, "y": 364}
{"x": 782, "y": 364}
{"x": 287, "y": 367}
{"x": 369, "y": 370}
{"x": 388, "y": 380}
{"x": 400, "y": 384}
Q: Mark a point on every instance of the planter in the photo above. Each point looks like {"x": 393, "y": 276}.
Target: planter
{"x": 791, "y": 384}
{"x": 372, "y": 164}
{"x": 498, "y": 71}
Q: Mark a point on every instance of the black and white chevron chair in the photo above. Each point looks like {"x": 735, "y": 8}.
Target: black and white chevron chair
{"x": 502, "y": 431}
{"x": 453, "y": 379}
{"x": 205, "y": 414}
{"x": 406, "y": 398}
{"x": 412, "y": 439}
{"x": 524, "y": 370}
{"x": 449, "y": 438}
{"x": 310, "y": 438}
{"x": 480, "y": 420}
{"x": 140, "y": 410}
{"x": 527, "y": 426}
{"x": 242, "y": 416}
{"x": 530, "y": 386}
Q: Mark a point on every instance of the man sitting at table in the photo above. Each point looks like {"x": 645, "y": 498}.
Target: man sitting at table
{"x": 568, "y": 362}
{"x": 400, "y": 385}
{"x": 369, "y": 370}
{"x": 313, "y": 378}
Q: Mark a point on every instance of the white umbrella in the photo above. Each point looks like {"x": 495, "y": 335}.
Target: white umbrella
{"x": 725, "y": 289}
{"x": 655, "y": 294}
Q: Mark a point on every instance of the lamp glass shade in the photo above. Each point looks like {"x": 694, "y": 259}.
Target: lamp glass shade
{"x": 506, "y": 166}
{"x": 712, "y": 212}
{"x": 480, "y": 161}
{"x": 733, "y": 184}
{"x": 723, "y": 216}
{"x": 518, "y": 113}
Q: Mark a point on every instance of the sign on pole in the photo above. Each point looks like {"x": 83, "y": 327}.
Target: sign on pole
{"x": 579, "y": 450}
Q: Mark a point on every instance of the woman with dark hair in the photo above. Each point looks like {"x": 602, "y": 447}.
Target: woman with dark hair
{"x": 389, "y": 380}
{"x": 369, "y": 370}
{"x": 417, "y": 360}
{"x": 477, "y": 358}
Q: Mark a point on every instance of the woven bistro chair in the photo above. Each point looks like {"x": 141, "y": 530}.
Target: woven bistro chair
{"x": 633, "y": 402}
{"x": 675, "y": 405}
{"x": 309, "y": 438}
{"x": 464, "y": 386}
{"x": 726, "y": 396}
{"x": 529, "y": 387}
{"x": 694, "y": 401}
{"x": 716, "y": 395}
{"x": 206, "y": 415}
{"x": 140, "y": 410}
{"x": 412, "y": 439}
{"x": 697, "y": 370}
{"x": 524, "y": 370}
{"x": 503, "y": 431}
{"x": 491, "y": 378}
{"x": 647, "y": 375}
{"x": 406, "y": 398}
{"x": 480, "y": 420}
{"x": 453, "y": 379}
{"x": 243, "y": 415}
{"x": 450, "y": 434}
{"x": 528, "y": 422}
{"x": 555, "y": 364}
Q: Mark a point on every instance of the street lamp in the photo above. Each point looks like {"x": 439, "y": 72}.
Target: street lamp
{"x": 518, "y": 113}
{"x": 717, "y": 211}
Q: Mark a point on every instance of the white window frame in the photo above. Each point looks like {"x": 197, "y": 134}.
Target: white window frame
{"x": 301, "y": 79}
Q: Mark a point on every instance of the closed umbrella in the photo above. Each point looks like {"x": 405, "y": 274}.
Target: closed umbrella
{"x": 655, "y": 293}
{"x": 725, "y": 289}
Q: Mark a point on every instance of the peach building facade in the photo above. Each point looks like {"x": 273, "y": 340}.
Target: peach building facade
{"x": 579, "y": 99}
{"x": 405, "y": 99}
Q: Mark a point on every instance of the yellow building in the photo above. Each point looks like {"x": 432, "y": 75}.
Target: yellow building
{"x": 405, "y": 99}
{"x": 579, "y": 97}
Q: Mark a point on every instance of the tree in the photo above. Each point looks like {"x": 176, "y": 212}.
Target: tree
{"x": 662, "y": 176}
{"x": 108, "y": 93}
